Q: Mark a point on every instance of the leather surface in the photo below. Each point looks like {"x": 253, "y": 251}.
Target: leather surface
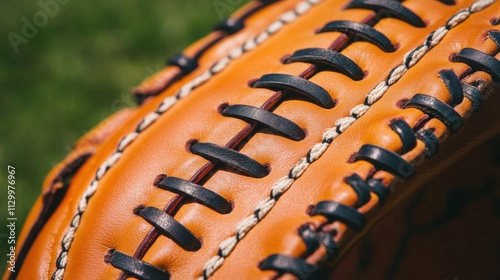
{"x": 109, "y": 221}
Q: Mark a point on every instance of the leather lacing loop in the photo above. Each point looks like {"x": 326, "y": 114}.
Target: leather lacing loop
{"x": 391, "y": 8}
{"x": 335, "y": 211}
{"x": 479, "y": 61}
{"x": 314, "y": 92}
{"x": 447, "y": 2}
{"x": 474, "y": 95}
{"x": 431, "y": 142}
{"x": 234, "y": 25}
{"x": 287, "y": 264}
{"x": 331, "y": 60}
{"x": 495, "y": 36}
{"x": 385, "y": 160}
{"x": 361, "y": 31}
{"x": 169, "y": 227}
{"x": 360, "y": 187}
{"x": 230, "y": 157}
{"x": 310, "y": 238}
{"x": 135, "y": 267}
{"x": 453, "y": 85}
{"x": 185, "y": 64}
{"x": 405, "y": 133}
{"x": 201, "y": 194}
{"x": 379, "y": 190}
{"x": 230, "y": 25}
{"x": 264, "y": 117}
{"x": 436, "y": 109}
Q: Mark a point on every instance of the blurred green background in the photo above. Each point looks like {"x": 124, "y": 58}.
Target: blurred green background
{"x": 76, "y": 69}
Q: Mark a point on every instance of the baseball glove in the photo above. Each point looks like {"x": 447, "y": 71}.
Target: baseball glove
{"x": 270, "y": 147}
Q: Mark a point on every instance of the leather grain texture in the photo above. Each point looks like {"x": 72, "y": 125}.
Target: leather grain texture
{"x": 99, "y": 211}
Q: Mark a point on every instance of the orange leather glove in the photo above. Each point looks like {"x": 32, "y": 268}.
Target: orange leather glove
{"x": 270, "y": 147}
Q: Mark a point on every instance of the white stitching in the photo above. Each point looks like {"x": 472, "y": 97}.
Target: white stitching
{"x": 168, "y": 102}
{"x": 283, "y": 184}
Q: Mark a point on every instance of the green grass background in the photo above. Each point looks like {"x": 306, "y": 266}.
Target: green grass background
{"x": 75, "y": 71}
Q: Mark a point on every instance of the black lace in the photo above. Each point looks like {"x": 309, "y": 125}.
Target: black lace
{"x": 329, "y": 60}
{"x": 310, "y": 90}
{"x": 134, "y": 267}
{"x": 202, "y": 195}
{"x": 169, "y": 227}
{"x": 388, "y": 8}
{"x": 480, "y": 61}
{"x": 230, "y": 158}
{"x": 362, "y": 31}
{"x": 295, "y": 87}
{"x": 275, "y": 122}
